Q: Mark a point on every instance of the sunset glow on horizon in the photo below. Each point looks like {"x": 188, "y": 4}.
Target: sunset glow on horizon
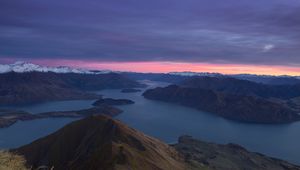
{"x": 165, "y": 67}
{"x": 230, "y": 37}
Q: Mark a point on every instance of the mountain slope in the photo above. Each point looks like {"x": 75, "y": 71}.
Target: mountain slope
{"x": 20, "y": 88}
{"x": 99, "y": 142}
{"x": 226, "y": 157}
{"x": 98, "y": 81}
{"x": 243, "y": 87}
{"x": 30, "y": 87}
{"x": 235, "y": 107}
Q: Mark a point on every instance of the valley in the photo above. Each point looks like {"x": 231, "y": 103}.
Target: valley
{"x": 144, "y": 112}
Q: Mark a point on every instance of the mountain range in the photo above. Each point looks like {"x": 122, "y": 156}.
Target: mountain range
{"x": 176, "y": 77}
{"x": 31, "y": 87}
{"x": 265, "y": 79}
{"x": 23, "y": 67}
{"x": 172, "y": 77}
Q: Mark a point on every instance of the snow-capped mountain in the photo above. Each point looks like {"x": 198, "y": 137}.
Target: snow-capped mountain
{"x": 22, "y": 67}
{"x": 238, "y": 76}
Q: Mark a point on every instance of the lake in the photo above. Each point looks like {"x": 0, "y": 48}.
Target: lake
{"x": 53, "y": 106}
{"x": 167, "y": 122}
{"x": 25, "y": 132}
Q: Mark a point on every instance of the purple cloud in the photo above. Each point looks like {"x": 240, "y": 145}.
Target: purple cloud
{"x": 228, "y": 31}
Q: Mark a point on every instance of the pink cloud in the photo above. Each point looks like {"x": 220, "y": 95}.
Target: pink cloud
{"x": 164, "y": 67}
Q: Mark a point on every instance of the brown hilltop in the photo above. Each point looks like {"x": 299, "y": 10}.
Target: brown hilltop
{"x": 98, "y": 142}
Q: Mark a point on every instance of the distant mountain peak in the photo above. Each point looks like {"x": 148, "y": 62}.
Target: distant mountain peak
{"x": 189, "y": 73}
{"x": 213, "y": 74}
{"x": 23, "y": 67}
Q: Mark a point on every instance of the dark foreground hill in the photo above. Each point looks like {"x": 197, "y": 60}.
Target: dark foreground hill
{"x": 226, "y": 157}
{"x": 235, "y": 107}
{"x": 101, "y": 143}
{"x": 30, "y": 87}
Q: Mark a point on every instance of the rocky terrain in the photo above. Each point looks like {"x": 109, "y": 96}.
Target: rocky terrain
{"x": 110, "y": 101}
{"x": 99, "y": 142}
{"x": 8, "y": 118}
{"x": 204, "y": 155}
{"x": 31, "y": 87}
{"x": 235, "y": 107}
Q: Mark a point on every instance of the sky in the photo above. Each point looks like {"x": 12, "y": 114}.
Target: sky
{"x": 228, "y": 36}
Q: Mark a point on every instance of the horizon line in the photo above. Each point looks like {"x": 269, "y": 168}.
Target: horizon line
{"x": 168, "y": 67}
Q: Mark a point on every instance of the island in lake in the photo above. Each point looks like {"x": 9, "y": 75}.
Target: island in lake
{"x": 8, "y": 117}
{"x": 110, "y": 101}
{"x": 101, "y": 106}
{"x": 130, "y": 90}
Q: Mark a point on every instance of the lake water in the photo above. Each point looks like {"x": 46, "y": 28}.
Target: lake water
{"x": 25, "y": 132}
{"x": 53, "y": 106}
{"x": 168, "y": 121}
